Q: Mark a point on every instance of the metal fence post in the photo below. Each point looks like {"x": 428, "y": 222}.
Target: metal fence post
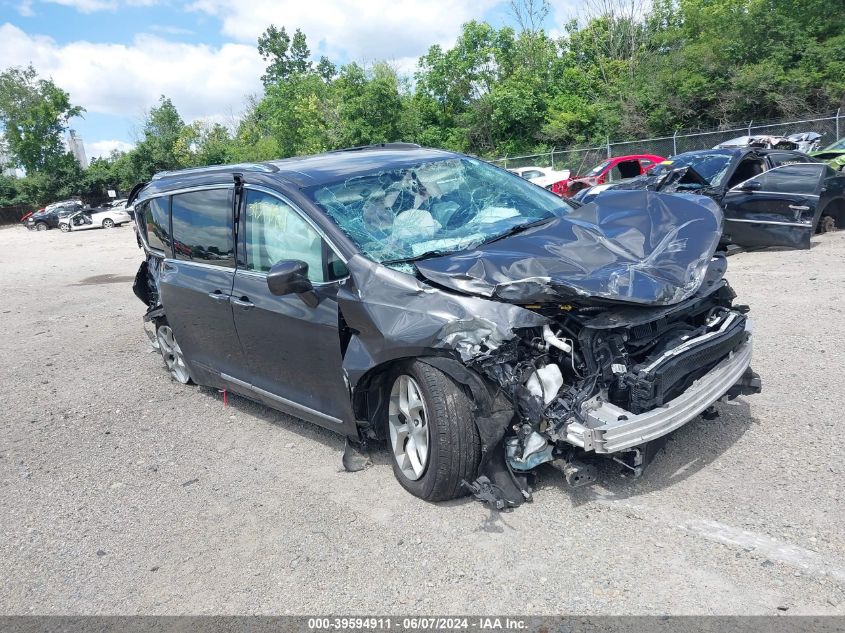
{"x": 749, "y": 126}
{"x": 506, "y": 161}
{"x": 608, "y": 147}
{"x": 838, "y": 110}
{"x": 552, "y": 154}
{"x": 675, "y": 143}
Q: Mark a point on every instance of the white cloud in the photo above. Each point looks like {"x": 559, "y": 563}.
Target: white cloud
{"x": 86, "y": 6}
{"x": 351, "y": 29}
{"x": 203, "y": 81}
{"x": 103, "y": 149}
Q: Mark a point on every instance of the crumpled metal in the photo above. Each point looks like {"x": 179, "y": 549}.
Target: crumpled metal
{"x": 630, "y": 246}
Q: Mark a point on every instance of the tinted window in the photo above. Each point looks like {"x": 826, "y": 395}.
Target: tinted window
{"x": 202, "y": 227}
{"x": 798, "y": 178}
{"x": 157, "y": 224}
{"x": 275, "y": 231}
{"x": 784, "y": 158}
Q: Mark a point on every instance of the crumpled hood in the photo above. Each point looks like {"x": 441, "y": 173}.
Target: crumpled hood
{"x": 632, "y": 246}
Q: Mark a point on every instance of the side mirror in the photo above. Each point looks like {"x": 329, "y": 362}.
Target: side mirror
{"x": 751, "y": 185}
{"x": 289, "y": 276}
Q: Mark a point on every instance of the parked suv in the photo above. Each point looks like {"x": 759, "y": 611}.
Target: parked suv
{"x": 52, "y": 214}
{"x": 478, "y": 324}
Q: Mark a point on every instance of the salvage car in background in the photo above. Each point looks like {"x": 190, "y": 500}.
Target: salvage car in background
{"x": 52, "y": 214}
{"x": 833, "y": 155}
{"x": 612, "y": 170}
{"x": 769, "y": 197}
{"x": 94, "y": 219}
{"x": 542, "y": 176}
{"x": 478, "y": 324}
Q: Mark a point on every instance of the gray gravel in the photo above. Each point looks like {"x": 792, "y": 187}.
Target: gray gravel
{"x": 122, "y": 492}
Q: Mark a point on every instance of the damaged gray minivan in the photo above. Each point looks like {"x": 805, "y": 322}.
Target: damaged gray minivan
{"x": 477, "y": 324}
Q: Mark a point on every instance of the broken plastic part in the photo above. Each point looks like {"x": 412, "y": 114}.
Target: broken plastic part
{"x": 536, "y": 450}
{"x": 355, "y": 456}
{"x": 545, "y": 383}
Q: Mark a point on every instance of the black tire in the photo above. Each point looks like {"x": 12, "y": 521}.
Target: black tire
{"x": 41, "y": 226}
{"x": 108, "y": 223}
{"x": 454, "y": 449}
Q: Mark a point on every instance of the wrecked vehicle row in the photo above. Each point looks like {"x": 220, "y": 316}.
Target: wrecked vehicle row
{"x": 770, "y": 197}
{"x": 476, "y": 324}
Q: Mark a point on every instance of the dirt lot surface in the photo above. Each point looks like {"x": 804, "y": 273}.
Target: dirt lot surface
{"x": 122, "y": 492}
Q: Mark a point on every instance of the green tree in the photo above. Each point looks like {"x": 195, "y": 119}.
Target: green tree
{"x": 287, "y": 56}
{"x": 34, "y": 114}
{"x": 158, "y": 148}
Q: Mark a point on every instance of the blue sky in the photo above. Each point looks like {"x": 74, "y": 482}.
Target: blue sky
{"x": 115, "y": 57}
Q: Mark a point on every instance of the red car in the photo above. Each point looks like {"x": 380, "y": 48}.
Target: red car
{"x": 611, "y": 170}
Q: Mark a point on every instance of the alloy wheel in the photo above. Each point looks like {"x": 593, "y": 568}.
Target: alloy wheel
{"x": 407, "y": 420}
{"x": 172, "y": 354}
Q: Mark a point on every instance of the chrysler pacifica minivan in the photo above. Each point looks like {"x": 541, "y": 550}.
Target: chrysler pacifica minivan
{"x": 474, "y": 323}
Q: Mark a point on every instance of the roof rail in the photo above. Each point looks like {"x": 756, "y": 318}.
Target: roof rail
{"x": 360, "y": 148}
{"x": 266, "y": 168}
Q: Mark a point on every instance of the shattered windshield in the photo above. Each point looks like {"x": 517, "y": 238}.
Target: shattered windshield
{"x": 434, "y": 207}
{"x": 712, "y": 166}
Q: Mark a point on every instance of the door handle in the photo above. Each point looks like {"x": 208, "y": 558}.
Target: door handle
{"x": 218, "y": 296}
{"x": 799, "y": 207}
{"x": 243, "y": 302}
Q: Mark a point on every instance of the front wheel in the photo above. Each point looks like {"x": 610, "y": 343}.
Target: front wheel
{"x": 108, "y": 223}
{"x": 41, "y": 226}
{"x": 64, "y": 227}
{"x": 433, "y": 438}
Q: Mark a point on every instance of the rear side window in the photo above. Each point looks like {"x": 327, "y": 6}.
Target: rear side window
{"x": 802, "y": 178}
{"x": 157, "y": 224}
{"x": 202, "y": 227}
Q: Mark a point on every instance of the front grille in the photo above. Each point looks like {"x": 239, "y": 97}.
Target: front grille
{"x": 664, "y": 382}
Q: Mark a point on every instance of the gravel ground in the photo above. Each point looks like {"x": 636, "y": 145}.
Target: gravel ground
{"x": 122, "y": 492}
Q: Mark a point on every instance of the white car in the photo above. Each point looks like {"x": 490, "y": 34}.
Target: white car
{"x": 94, "y": 219}
{"x": 543, "y": 176}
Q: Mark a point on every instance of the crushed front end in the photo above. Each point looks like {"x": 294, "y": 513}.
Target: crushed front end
{"x": 640, "y": 334}
{"x": 610, "y": 380}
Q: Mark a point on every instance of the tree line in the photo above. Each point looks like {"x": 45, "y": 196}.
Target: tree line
{"x": 626, "y": 69}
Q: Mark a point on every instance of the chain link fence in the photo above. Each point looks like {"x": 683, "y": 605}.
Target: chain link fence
{"x": 581, "y": 159}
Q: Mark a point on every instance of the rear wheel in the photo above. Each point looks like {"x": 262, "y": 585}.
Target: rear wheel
{"x": 41, "y": 226}
{"x": 433, "y": 439}
{"x": 108, "y": 223}
{"x": 827, "y": 224}
{"x": 64, "y": 227}
{"x": 172, "y": 354}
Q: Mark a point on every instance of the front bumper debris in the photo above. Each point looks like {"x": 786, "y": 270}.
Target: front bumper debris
{"x": 610, "y": 428}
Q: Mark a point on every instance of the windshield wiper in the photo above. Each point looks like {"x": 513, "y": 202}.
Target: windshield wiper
{"x": 514, "y": 230}
{"x": 416, "y": 258}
